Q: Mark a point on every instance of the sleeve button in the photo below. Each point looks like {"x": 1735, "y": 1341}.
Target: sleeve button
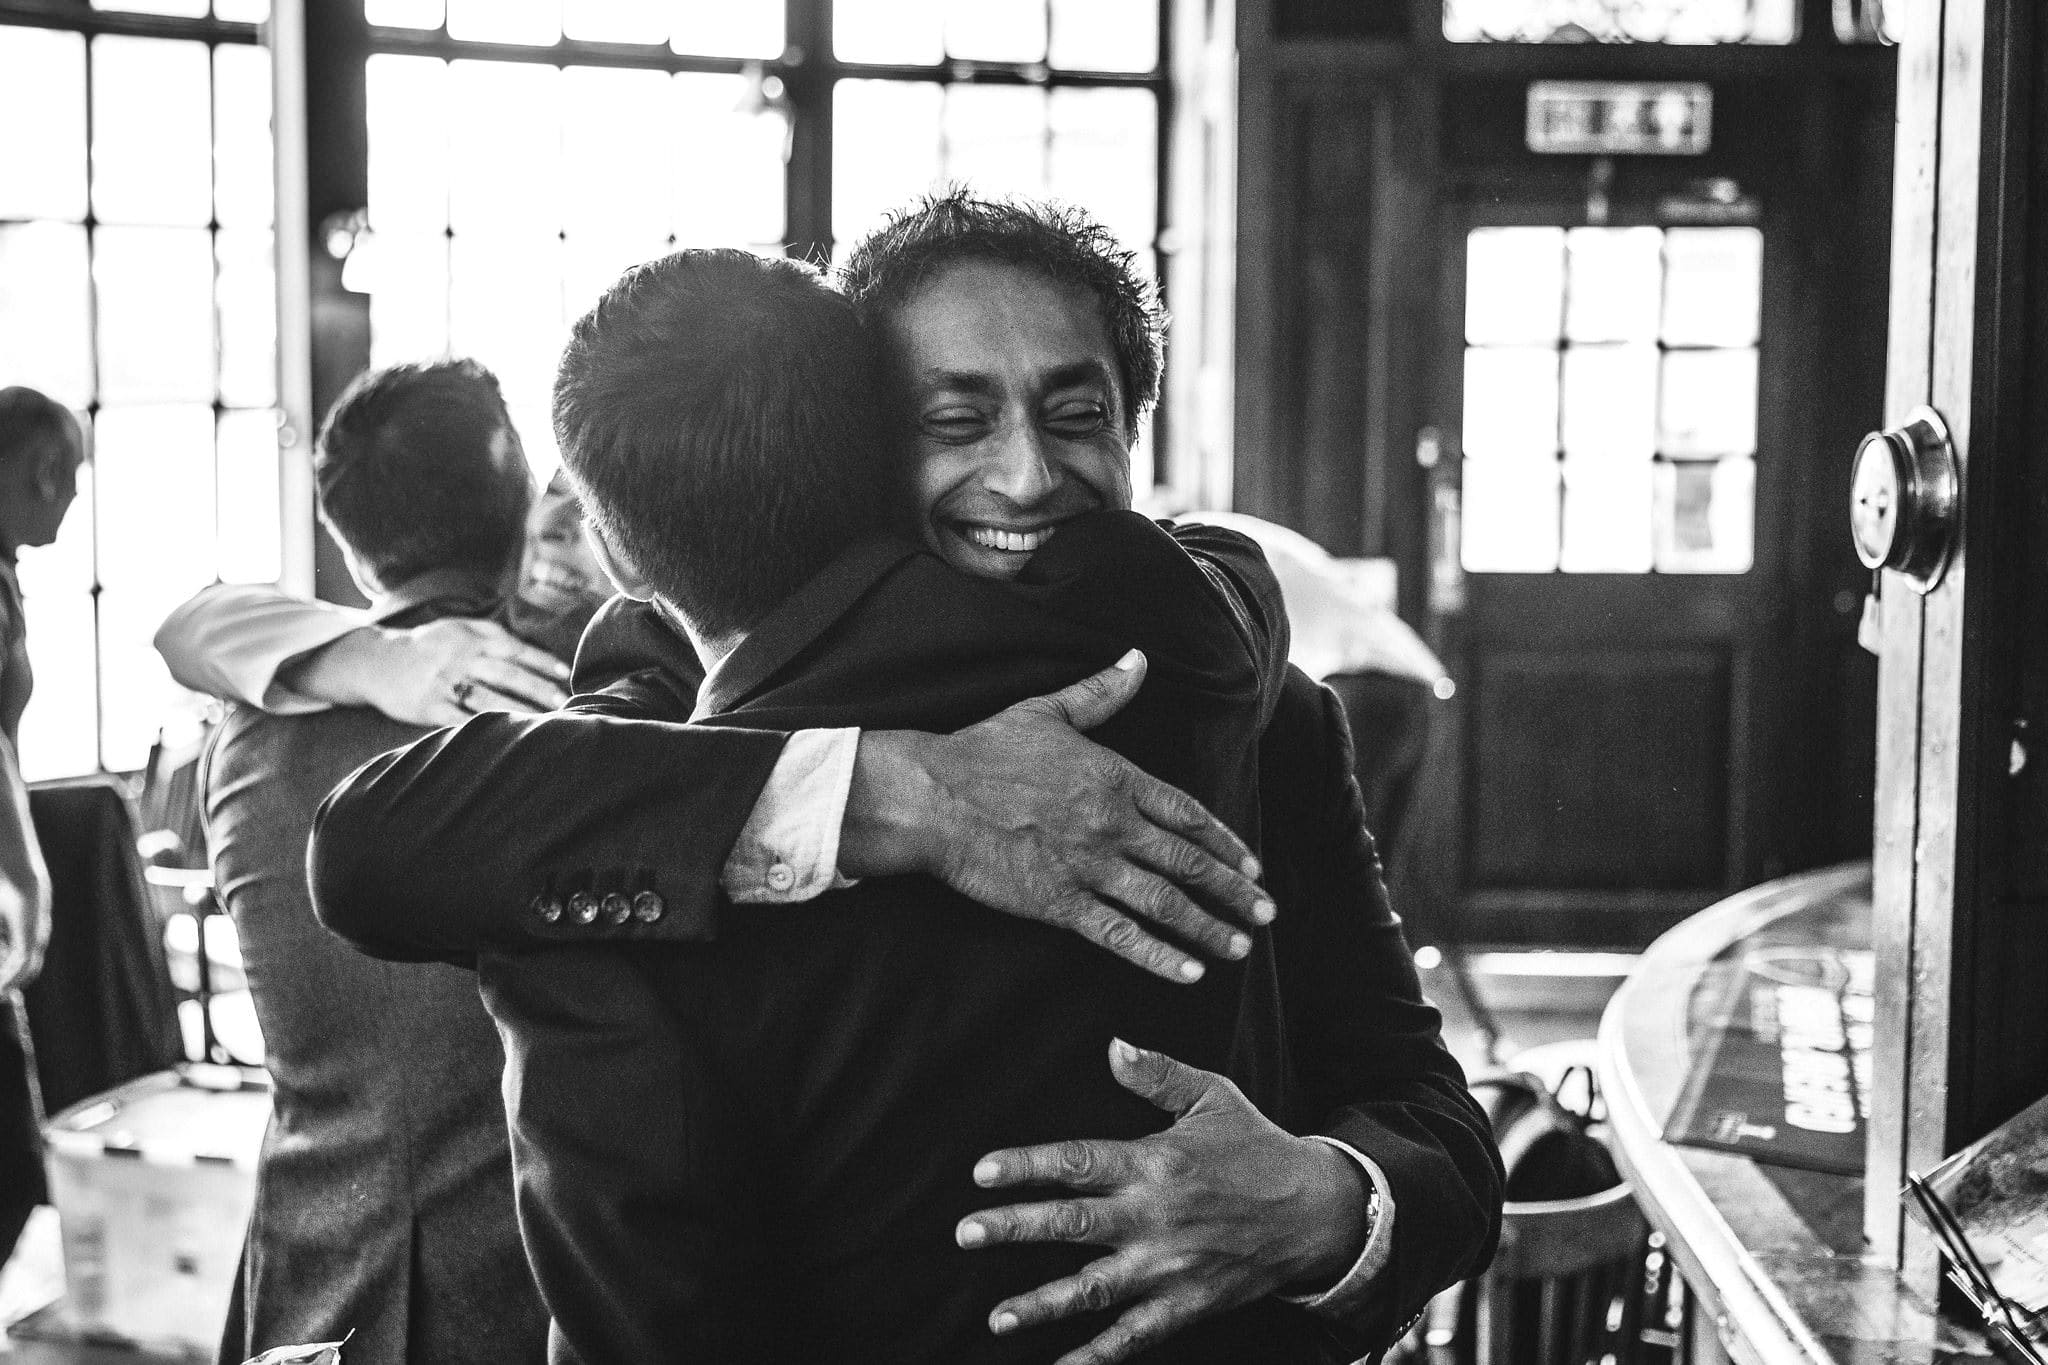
{"x": 617, "y": 909}
{"x": 583, "y": 907}
{"x": 547, "y": 909}
{"x": 648, "y": 907}
{"x": 780, "y": 878}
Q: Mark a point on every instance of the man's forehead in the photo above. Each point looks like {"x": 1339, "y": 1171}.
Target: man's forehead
{"x": 983, "y": 317}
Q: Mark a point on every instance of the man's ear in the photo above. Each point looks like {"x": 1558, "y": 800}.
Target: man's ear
{"x": 618, "y": 566}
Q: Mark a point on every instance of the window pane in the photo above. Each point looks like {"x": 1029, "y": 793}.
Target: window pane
{"x": 246, "y": 503}
{"x": 1709, "y": 403}
{"x": 593, "y": 262}
{"x": 156, "y": 501}
{"x": 996, "y": 30}
{"x": 1511, "y": 405}
{"x": 42, "y": 86}
{"x": 1105, "y": 157}
{"x": 1713, "y": 286}
{"x": 616, "y": 21}
{"x": 1706, "y": 515}
{"x": 242, "y": 194}
{"x": 408, "y": 297}
{"x": 155, "y": 288}
{"x": 618, "y": 145}
{"x": 403, "y": 13}
{"x": 152, "y": 138}
{"x": 885, "y": 151}
{"x": 46, "y": 311}
{"x": 728, "y": 172}
{"x": 407, "y": 113}
{"x": 1510, "y": 517}
{"x": 536, "y": 437}
{"x": 1514, "y": 285}
{"x": 1606, "y": 517}
{"x": 1609, "y": 21}
{"x": 183, "y": 9}
{"x": 1105, "y": 35}
{"x": 538, "y": 22}
{"x": 505, "y": 309}
{"x": 505, "y": 149}
{"x": 1611, "y": 292}
{"x": 994, "y": 138}
{"x": 728, "y": 28}
{"x": 64, "y": 568}
{"x": 136, "y": 692}
{"x": 248, "y": 318}
{"x": 59, "y": 732}
{"x": 909, "y": 32}
{"x": 1610, "y": 402}
{"x": 242, "y": 11}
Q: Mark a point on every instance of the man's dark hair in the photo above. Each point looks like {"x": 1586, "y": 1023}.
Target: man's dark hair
{"x": 1058, "y": 240}
{"x": 723, "y": 415}
{"x": 408, "y": 475}
{"x": 33, "y": 421}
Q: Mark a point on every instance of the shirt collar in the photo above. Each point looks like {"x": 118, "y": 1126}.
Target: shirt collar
{"x": 465, "y": 587}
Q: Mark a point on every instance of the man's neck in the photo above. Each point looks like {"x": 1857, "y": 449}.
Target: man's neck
{"x": 711, "y": 648}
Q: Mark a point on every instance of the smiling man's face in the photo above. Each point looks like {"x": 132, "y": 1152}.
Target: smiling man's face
{"x": 1017, "y": 420}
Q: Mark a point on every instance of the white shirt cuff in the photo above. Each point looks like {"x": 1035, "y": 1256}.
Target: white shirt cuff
{"x": 1346, "y": 1298}
{"x": 789, "y": 849}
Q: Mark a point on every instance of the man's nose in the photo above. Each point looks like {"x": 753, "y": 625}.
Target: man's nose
{"x": 1019, "y": 467}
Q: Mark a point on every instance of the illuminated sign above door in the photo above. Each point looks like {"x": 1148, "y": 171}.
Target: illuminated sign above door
{"x": 1620, "y": 118}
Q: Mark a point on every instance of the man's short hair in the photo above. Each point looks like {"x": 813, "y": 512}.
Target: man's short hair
{"x": 33, "y": 421}
{"x": 723, "y": 414}
{"x": 1060, "y": 241}
{"x": 411, "y": 476}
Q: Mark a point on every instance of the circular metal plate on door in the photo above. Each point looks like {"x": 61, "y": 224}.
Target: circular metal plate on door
{"x": 1905, "y": 499}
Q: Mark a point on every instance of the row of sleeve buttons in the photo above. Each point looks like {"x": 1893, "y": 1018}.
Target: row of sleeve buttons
{"x": 587, "y": 907}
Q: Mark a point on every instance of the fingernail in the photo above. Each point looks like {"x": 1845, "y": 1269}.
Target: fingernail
{"x": 1191, "y": 970}
{"x": 1240, "y": 944}
{"x": 1003, "y": 1322}
{"x": 1123, "y": 665}
{"x": 1250, "y": 868}
{"x": 1263, "y": 912}
{"x": 987, "y": 1173}
{"x": 1125, "y": 1053}
{"x": 971, "y": 1235}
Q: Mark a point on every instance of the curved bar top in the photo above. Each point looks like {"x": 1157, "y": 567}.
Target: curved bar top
{"x": 1774, "y": 1257}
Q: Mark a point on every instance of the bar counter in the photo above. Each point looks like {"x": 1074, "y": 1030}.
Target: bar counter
{"x": 1773, "y": 1256}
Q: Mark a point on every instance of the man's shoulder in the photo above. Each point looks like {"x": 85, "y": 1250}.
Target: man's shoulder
{"x": 302, "y": 751}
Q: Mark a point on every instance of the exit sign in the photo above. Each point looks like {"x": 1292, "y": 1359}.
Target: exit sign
{"x": 1620, "y": 118}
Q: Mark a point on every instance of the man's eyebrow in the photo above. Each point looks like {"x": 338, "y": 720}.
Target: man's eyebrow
{"x": 1089, "y": 371}
{"x": 962, "y": 381}
{"x": 1066, "y": 376}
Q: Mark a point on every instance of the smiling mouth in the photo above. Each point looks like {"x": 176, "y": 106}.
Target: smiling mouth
{"x": 1010, "y": 542}
{"x": 546, "y": 574}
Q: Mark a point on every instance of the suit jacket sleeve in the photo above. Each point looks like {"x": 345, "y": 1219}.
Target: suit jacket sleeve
{"x": 1370, "y": 1065}
{"x": 477, "y": 837}
{"x": 230, "y": 640}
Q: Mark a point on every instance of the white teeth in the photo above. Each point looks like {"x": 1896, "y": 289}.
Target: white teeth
{"x": 989, "y": 538}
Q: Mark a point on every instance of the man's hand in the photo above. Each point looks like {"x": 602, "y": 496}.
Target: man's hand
{"x": 440, "y": 673}
{"x": 24, "y": 934}
{"x": 1024, "y": 815}
{"x": 1218, "y": 1210}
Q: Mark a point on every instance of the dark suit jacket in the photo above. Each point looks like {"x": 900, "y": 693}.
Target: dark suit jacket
{"x": 1360, "y": 1056}
{"x": 384, "y": 1189}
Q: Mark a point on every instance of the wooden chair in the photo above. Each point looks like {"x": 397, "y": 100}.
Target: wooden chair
{"x": 1562, "y": 1263}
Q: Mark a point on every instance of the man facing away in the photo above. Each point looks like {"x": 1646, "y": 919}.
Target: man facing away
{"x": 382, "y": 1207}
{"x": 41, "y": 449}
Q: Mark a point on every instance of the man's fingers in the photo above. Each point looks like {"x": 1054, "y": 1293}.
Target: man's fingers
{"x": 1078, "y": 1164}
{"x": 1094, "y": 699}
{"x": 511, "y": 677}
{"x": 1194, "y": 871}
{"x": 1174, "y": 1086}
{"x": 1147, "y": 1323}
{"x": 482, "y": 697}
{"x": 1157, "y": 900}
{"x": 1111, "y": 929}
{"x": 1101, "y": 1284}
{"x": 1172, "y": 809}
{"x": 1090, "y": 1222}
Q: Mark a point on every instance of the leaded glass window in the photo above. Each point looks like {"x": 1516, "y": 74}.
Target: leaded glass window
{"x": 1610, "y": 404}
{"x": 1621, "y": 21}
{"x": 136, "y": 287}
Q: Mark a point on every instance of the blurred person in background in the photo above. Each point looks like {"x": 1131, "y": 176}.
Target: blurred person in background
{"x": 41, "y": 449}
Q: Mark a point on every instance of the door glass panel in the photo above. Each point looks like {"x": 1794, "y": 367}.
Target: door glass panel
{"x": 505, "y": 307}
{"x": 1705, "y": 516}
{"x": 1611, "y": 287}
{"x": 46, "y": 311}
{"x": 1105, "y": 155}
{"x": 1514, "y": 285}
{"x": 182, "y": 9}
{"x": 246, "y": 504}
{"x": 617, "y": 21}
{"x": 885, "y": 150}
{"x": 242, "y": 192}
{"x": 619, "y": 145}
{"x": 907, "y": 32}
{"x": 1510, "y": 517}
{"x": 1713, "y": 286}
{"x": 246, "y": 300}
{"x": 729, "y": 28}
{"x": 404, "y": 13}
{"x": 1709, "y": 403}
{"x": 536, "y": 22}
{"x": 729, "y": 176}
{"x": 1104, "y": 35}
{"x": 593, "y": 261}
{"x": 1606, "y": 517}
{"x": 152, "y": 132}
{"x": 505, "y": 149}
{"x": 42, "y": 86}
{"x": 155, "y": 292}
{"x": 59, "y": 733}
{"x": 993, "y": 138}
{"x": 408, "y": 297}
{"x": 407, "y": 104}
{"x": 995, "y": 30}
{"x": 1610, "y": 403}
{"x": 1511, "y": 404}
